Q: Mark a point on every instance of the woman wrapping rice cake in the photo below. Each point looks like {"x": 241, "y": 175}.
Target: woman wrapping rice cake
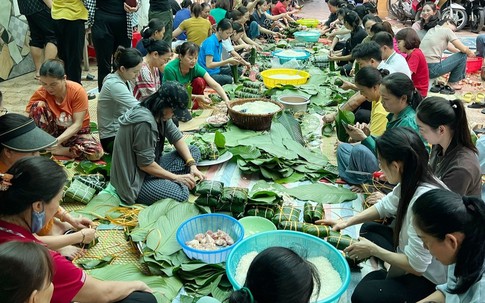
{"x": 414, "y": 273}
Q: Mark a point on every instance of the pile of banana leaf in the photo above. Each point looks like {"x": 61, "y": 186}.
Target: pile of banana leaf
{"x": 156, "y": 230}
{"x": 218, "y": 198}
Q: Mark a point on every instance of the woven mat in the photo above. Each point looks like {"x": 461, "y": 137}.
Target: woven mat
{"x": 113, "y": 243}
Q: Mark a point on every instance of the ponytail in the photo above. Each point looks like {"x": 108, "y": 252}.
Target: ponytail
{"x": 436, "y": 111}
{"x": 196, "y": 10}
{"x": 155, "y": 25}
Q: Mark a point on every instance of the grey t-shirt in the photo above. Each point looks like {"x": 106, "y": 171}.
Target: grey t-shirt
{"x": 435, "y": 42}
{"x": 137, "y": 144}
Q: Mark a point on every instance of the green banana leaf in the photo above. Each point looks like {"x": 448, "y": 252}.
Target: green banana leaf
{"x": 164, "y": 289}
{"x": 161, "y": 239}
{"x": 291, "y": 125}
{"x": 319, "y": 192}
{"x": 101, "y": 205}
{"x": 346, "y": 116}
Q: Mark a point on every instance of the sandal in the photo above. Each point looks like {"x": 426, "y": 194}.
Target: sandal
{"x": 480, "y": 97}
{"x": 437, "y": 88}
{"x": 477, "y": 105}
{"x": 468, "y": 97}
{"x": 447, "y": 90}
{"x": 483, "y": 111}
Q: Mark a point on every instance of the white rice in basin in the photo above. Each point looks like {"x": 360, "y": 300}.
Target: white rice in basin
{"x": 329, "y": 278}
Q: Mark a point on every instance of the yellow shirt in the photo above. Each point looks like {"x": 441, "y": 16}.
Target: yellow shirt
{"x": 378, "y": 119}
{"x": 197, "y": 29}
{"x": 69, "y": 10}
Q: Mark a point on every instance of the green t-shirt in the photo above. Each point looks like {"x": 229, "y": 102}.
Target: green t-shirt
{"x": 218, "y": 14}
{"x": 172, "y": 72}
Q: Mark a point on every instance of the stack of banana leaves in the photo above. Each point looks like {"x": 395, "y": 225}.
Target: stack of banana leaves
{"x": 292, "y": 28}
{"x": 222, "y": 199}
{"x": 161, "y": 253}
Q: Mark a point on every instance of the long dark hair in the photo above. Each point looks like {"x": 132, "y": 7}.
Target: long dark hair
{"x": 433, "y": 20}
{"x": 26, "y": 266}
{"x": 440, "y": 212}
{"x": 196, "y": 10}
{"x": 403, "y": 145}
{"x": 352, "y": 18}
{"x": 436, "y": 111}
{"x": 400, "y": 85}
{"x": 34, "y": 179}
{"x": 278, "y": 274}
{"x": 159, "y": 46}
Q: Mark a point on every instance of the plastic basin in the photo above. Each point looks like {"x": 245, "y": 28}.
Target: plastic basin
{"x": 254, "y": 225}
{"x": 307, "y": 36}
{"x": 294, "y": 102}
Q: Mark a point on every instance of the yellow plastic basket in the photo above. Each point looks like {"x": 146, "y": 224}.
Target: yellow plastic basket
{"x": 271, "y": 82}
{"x": 308, "y": 22}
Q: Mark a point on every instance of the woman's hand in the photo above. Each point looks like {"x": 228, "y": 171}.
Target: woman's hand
{"x": 194, "y": 171}
{"x": 187, "y": 180}
{"x": 80, "y": 223}
{"x": 355, "y": 133}
{"x": 347, "y": 85}
{"x": 232, "y": 61}
{"x": 336, "y": 224}
{"x": 130, "y": 9}
{"x": 364, "y": 127}
{"x": 203, "y": 99}
{"x": 141, "y": 286}
{"x": 360, "y": 250}
{"x": 374, "y": 198}
{"x": 87, "y": 234}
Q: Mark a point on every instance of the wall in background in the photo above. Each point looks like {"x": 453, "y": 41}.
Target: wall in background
{"x": 15, "y": 59}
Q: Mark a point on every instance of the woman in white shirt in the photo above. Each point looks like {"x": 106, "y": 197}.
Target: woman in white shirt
{"x": 451, "y": 227}
{"x": 413, "y": 273}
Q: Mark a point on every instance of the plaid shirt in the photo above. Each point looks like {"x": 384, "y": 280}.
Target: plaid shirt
{"x": 91, "y": 7}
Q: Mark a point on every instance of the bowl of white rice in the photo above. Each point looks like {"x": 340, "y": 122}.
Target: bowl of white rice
{"x": 333, "y": 269}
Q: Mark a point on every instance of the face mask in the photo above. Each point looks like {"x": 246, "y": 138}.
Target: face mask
{"x": 38, "y": 221}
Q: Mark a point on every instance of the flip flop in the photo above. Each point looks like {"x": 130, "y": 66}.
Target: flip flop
{"x": 480, "y": 97}
{"x": 447, "y": 90}
{"x": 468, "y": 97}
{"x": 477, "y": 105}
{"x": 436, "y": 88}
{"x": 483, "y": 111}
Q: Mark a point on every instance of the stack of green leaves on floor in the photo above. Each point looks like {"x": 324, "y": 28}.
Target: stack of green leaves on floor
{"x": 222, "y": 199}
{"x": 209, "y": 150}
{"x": 156, "y": 231}
{"x": 343, "y": 117}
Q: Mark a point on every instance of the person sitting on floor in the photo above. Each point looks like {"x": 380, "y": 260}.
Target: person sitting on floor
{"x": 414, "y": 273}
{"x": 429, "y": 19}
{"x": 398, "y": 97}
{"x": 408, "y": 42}
{"x": 180, "y": 17}
{"x": 154, "y": 30}
{"x": 140, "y": 172}
{"x": 340, "y": 34}
{"x": 357, "y": 34}
{"x": 185, "y": 70}
{"x": 147, "y": 81}
{"x": 232, "y": 46}
{"x": 116, "y": 96}
{"x": 453, "y": 156}
{"x": 266, "y": 28}
{"x": 20, "y": 138}
{"x": 480, "y": 43}
{"x": 29, "y": 197}
{"x": 391, "y": 60}
{"x": 211, "y": 52}
{"x": 434, "y": 43}
{"x": 26, "y": 274}
{"x": 60, "y": 107}
{"x": 333, "y": 5}
{"x": 385, "y": 26}
{"x": 196, "y": 27}
{"x": 277, "y": 274}
{"x": 451, "y": 228}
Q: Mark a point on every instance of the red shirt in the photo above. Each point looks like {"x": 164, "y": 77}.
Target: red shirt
{"x": 212, "y": 20}
{"x": 419, "y": 71}
{"x": 279, "y": 8}
{"x": 67, "y": 280}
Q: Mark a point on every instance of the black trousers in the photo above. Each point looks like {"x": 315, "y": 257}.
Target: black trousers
{"x": 139, "y": 297}
{"x": 376, "y": 287}
{"x": 70, "y": 44}
{"x": 109, "y": 32}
